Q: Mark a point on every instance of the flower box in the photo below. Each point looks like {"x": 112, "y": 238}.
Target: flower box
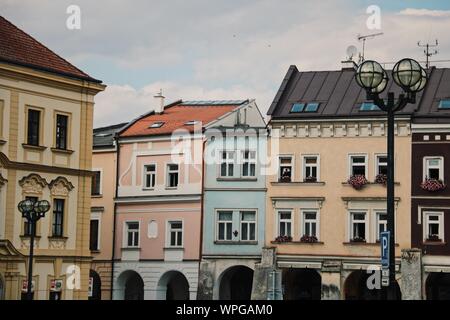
{"x": 310, "y": 179}
{"x": 432, "y": 185}
{"x": 283, "y": 239}
{"x": 381, "y": 179}
{"x": 357, "y": 181}
{"x": 285, "y": 179}
{"x": 308, "y": 239}
{"x": 358, "y": 239}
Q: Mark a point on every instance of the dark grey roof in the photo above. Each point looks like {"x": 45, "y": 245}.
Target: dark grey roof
{"x": 340, "y": 96}
{"x": 104, "y": 137}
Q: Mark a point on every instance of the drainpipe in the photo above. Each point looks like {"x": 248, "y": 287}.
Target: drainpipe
{"x": 116, "y": 139}
{"x": 201, "y": 209}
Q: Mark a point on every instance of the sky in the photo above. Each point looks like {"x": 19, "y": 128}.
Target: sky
{"x": 221, "y": 49}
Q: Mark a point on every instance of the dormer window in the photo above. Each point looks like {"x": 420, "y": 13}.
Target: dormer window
{"x": 156, "y": 125}
{"x": 368, "y": 106}
{"x": 444, "y": 104}
{"x": 191, "y": 122}
{"x": 305, "y": 107}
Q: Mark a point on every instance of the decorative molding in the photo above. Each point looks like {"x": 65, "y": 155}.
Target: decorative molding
{"x": 60, "y": 186}
{"x": 33, "y": 183}
{"x": 57, "y": 243}
{"x": 8, "y": 250}
{"x": 2, "y": 180}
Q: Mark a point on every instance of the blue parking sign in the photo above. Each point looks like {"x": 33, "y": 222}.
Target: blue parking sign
{"x": 385, "y": 239}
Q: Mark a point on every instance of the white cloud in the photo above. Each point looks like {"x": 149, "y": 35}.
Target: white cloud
{"x": 425, "y": 12}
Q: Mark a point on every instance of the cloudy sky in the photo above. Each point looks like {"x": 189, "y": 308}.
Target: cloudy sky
{"x": 219, "y": 49}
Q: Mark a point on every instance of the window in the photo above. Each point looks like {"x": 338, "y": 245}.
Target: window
{"x": 158, "y": 124}
{"x": 61, "y": 131}
{"x": 227, "y": 164}
{"x": 312, "y": 107}
{"x": 297, "y": 107}
{"x": 358, "y": 165}
{"x": 176, "y": 233}
{"x": 285, "y": 171}
{"x": 249, "y": 164}
{"x": 93, "y": 240}
{"x": 172, "y": 175}
{"x": 310, "y": 223}
{"x": 26, "y": 225}
{"x": 248, "y": 225}
{"x": 33, "y": 127}
{"x": 310, "y": 168}
{"x": 58, "y": 217}
{"x": 96, "y": 183}
{"x": 284, "y": 223}
{"x": 381, "y": 223}
{"x": 434, "y": 168}
{"x": 381, "y": 165}
{"x": 434, "y": 226}
{"x": 368, "y": 106}
{"x": 224, "y": 225}
{"x": 358, "y": 226}
{"x": 444, "y": 104}
{"x": 132, "y": 234}
{"x": 303, "y": 107}
{"x": 149, "y": 176}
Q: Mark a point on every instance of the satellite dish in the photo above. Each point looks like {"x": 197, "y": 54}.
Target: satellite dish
{"x": 351, "y": 52}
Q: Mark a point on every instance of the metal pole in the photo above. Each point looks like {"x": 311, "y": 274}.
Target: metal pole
{"x": 32, "y": 223}
{"x": 390, "y": 195}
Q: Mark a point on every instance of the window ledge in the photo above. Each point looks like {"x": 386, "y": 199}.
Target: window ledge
{"x": 65, "y": 151}
{"x": 23, "y": 236}
{"x": 236, "y": 179}
{"x": 57, "y": 238}
{"x": 356, "y": 243}
{"x": 148, "y": 189}
{"x": 131, "y": 248}
{"x": 171, "y": 188}
{"x": 370, "y": 183}
{"x": 32, "y": 147}
{"x": 434, "y": 243}
{"x": 299, "y": 183}
{"x": 174, "y": 248}
{"x": 96, "y": 251}
{"x": 231, "y": 242}
{"x": 96, "y": 196}
{"x": 2, "y": 142}
{"x": 298, "y": 242}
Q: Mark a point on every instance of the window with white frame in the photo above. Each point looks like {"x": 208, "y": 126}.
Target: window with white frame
{"x": 381, "y": 163}
{"x": 227, "y": 164}
{"x": 132, "y": 234}
{"x": 249, "y": 163}
{"x": 434, "y": 226}
{"x": 310, "y": 168}
{"x": 172, "y": 175}
{"x": 286, "y": 167}
{"x": 310, "y": 223}
{"x": 248, "y": 225}
{"x": 381, "y": 218}
{"x": 434, "y": 168}
{"x": 224, "y": 225}
{"x": 149, "y": 176}
{"x": 285, "y": 223}
{"x": 358, "y": 227}
{"x": 358, "y": 165}
{"x": 175, "y": 233}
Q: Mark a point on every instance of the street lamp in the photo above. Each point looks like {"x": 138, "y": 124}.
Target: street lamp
{"x": 32, "y": 211}
{"x": 412, "y": 78}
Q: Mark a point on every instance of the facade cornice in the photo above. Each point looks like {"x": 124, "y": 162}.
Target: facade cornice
{"x": 158, "y": 199}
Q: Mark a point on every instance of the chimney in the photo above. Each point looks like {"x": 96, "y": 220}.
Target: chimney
{"x": 160, "y": 105}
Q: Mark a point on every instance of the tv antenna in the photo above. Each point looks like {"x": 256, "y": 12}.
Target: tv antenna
{"x": 427, "y": 51}
{"x": 363, "y": 38}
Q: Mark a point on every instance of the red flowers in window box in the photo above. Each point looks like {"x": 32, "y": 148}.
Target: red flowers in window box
{"x": 310, "y": 179}
{"x": 432, "y": 185}
{"x": 283, "y": 239}
{"x": 357, "y": 181}
{"x": 358, "y": 239}
{"x": 381, "y": 179}
{"x": 308, "y": 239}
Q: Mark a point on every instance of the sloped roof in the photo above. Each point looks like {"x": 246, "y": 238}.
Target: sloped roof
{"x": 18, "y": 47}
{"x": 176, "y": 115}
{"x": 104, "y": 136}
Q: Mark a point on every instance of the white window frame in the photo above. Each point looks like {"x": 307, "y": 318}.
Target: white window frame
{"x": 350, "y": 163}
{"x": 101, "y": 181}
{"x": 144, "y": 176}
{"x": 168, "y": 171}
{"x": 292, "y": 165}
{"x": 303, "y": 221}
{"x": 279, "y": 220}
{"x": 169, "y": 233}
{"x": 378, "y": 213}
{"x": 241, "y": 222}
{"x": 426, "y": 215}
{"x": 228, "y": 161}
{"x": 377, "y": 162}
{"x": 98, "y": 216}
{"x": 250, "y": 162}
{"x": 440, "y": 167}
{"x": 226, "y": 222}
{"x": 304, "y": 165}
{"x": 351, "y": 220}
{"x": 125, "y": 234}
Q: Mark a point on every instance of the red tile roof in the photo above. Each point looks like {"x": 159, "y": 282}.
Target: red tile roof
{"x": 18, "y": 47}
{"x": 176, "y": 116}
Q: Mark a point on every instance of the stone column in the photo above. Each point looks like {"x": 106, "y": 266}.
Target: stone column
{"x": 411, "y": 274}
{"x": 261, "y": 274}
{"x": 206, "y": 280}
{"x": 331, "y": 280}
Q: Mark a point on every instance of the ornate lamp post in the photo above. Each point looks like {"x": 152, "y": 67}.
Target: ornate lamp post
{"x": 32, "y": 211}
{"x": 411, "y": 77}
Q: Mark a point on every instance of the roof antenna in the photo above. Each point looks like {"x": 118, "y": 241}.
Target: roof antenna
{"x": 427, "y": 52}
{"x": 363, "y": 39}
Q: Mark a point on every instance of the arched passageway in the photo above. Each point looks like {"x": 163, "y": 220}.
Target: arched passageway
{"x": 301, "y": 284}
{"x": 95, "y": 286}
{"x": 173, "y": 285}
{"x": 236, "y": 283}
{"x": 437, "y": 286}
{"x": 130, "y": 286}
{"x": 356, "y": 288}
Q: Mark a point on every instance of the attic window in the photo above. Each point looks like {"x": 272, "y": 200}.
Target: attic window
{"x": 304, "y": 107}
{"x": 297, "y": 107}
{"x": 444, "y": 104}
{"x": 191, "y": 122}
{"x": 103, "y": 134}
{"x": 156, "y": 125}
{"x": 312, "y": 107}
{"x": 368, "y": 106}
